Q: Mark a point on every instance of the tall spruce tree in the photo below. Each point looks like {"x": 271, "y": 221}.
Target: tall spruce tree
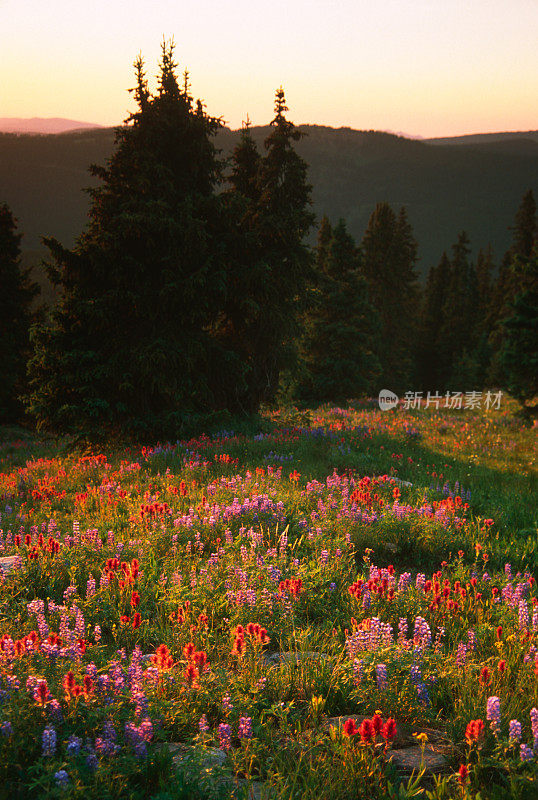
{"x": 431, "y": 367}
{"x": 457, "y": 334}
{"x": 274, "y": 281}
{"x": 129, "y": 345}
{"x": 16, "y": 295}
{"x": 389, "y": 256}
{"x": 520, "y": 353}
{"x": 506, "y": 288}
{"x": 237, "y": 328}
{"x": 339, "y": 362}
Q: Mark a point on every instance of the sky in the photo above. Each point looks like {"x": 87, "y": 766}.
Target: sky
{"x": 422, "y": 67}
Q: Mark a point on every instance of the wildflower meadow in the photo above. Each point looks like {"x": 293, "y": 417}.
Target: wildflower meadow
{"x": 341, "y": 603}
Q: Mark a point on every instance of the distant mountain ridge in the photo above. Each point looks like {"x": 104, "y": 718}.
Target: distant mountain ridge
{"x": 42, "y": 125}
{"x": 476, "y": 185}
{"x": 484, "y": 138}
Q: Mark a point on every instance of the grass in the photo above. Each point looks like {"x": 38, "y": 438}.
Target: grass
{"x": 335, "y": 562}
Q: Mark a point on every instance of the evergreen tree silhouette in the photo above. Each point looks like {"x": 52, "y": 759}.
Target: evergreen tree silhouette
{"x": 16, "y": 295}
{"x": 338, "y": 347}
{"x": 129, "y": 345}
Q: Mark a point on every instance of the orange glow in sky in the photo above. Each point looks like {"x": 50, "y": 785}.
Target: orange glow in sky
{"x": 424, "y": 67}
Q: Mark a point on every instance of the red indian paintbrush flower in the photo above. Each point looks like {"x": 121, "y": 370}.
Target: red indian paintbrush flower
{"x": 366, "y": 730}
{"x": 388, "y": 731}
{"x": 474, "y": 730}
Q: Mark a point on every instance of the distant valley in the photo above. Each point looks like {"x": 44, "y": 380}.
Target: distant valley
{"x": 469, "y": 182}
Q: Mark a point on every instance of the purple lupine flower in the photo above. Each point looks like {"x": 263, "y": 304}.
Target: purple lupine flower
{"x": 69, "y": 593}
{"x": 92, "y": 761}
{"x": 203, "y": 726}
{"x": 225, "y": 736}
{"x": 97, "y": 634}
{"x": 62, "y": 779}
{"x": 260, "y": 684}
{"x": 534, "y": 727}
{"x": 493, "y": 713}
{"x": 523, "y": 615}
{"x": 245, "y": 728}
{"x": 461, "y": 654}
{"x": 514, "y": 730}
{"x": 90, "y": 587}
{"x": 227, "y": 703}
{"x": 48, "y": 741}
{"x": 381, "y": 676}
{"x": 525, "y": 753}
{"x": 73, "y": 745}
{"x": 6, "y": 728}
{"x": 415, "y": 674}
{"x": 55, "y": 710}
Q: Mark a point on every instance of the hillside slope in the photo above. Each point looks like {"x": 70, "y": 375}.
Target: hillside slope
{"x": 476, "y": 186}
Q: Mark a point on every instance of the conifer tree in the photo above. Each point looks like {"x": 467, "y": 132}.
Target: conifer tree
{"x": 278, "y": 218}
{"x": 524, "y": 235}
{"x": 389, "y": 257}
{"x": 520, "y": 353}
{"x": 129, "y": 346}
{"x": 341, "y": 325}
{"x": 431, "y": 367}
{"x": 457, "y": 334}
{"x": 237, "y": 328}
{"x": 16, "y": 295}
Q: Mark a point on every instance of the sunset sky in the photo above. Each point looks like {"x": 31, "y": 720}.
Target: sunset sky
{"x": 423, "y": 67}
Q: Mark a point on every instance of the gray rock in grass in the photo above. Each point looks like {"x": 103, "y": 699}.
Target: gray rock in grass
{"x": 410, "y": 759}
{"x": 7, "y": 563}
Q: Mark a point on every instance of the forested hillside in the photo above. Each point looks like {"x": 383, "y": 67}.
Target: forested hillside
{"x": 445, "y": 188}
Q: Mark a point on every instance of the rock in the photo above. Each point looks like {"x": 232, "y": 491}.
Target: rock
{"x": 7, "y": 563}
{"x": 400, "y": 482}
{"x": 410, "y": 759}
{"x": 295, "y": 658}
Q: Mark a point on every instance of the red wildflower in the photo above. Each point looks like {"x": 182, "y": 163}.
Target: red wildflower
{"x": 485, "y": 676}
{"x": 162, "y": 658}
{"x": 135, "y": 600}
{"x": 349, "y": 728}
{"x": 463, "y": 774}
{"x": 189, "y": 650}
{"x": 137, "y": 620}
{"x": 200, "y": 658}
{"x": 238, "y": 648}
{"x": 501, "y": 666}
{"x": 499, "y": 632}
{"x": 388, "y": 731}
{"x": 191, "y": 674}
{"x": 88, "y": 686}
{"x": 377, "y": 723}
{"x": 20, "y": 647}
{"x": 42, "y": 692}
{"x": 474, "y": 730}
{"x": 366, "y": 730}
